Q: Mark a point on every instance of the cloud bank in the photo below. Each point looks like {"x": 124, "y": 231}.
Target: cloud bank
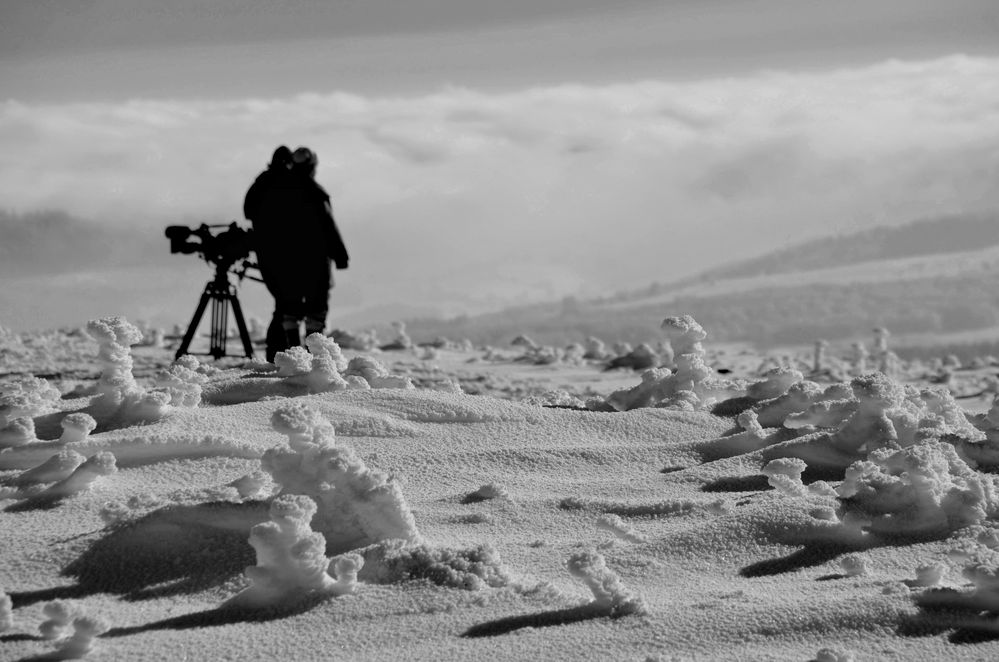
{"x": 465, "y": 200}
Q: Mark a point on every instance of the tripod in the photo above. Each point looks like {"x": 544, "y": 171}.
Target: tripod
{"x": 222, "y": 294}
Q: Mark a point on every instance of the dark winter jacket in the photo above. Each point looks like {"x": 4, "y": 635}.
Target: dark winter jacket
{"x": 292, "y": 221}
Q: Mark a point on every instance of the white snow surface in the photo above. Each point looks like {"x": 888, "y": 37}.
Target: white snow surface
{"x": 606, "y": 535}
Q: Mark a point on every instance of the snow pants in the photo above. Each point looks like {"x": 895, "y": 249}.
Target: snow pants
{"x": 301, "y": 292}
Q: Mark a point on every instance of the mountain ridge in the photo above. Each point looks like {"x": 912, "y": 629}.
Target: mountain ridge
{"x": 930, "y": 276}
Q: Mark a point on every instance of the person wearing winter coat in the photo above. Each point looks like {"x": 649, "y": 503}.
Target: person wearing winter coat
{"x": 296, "y": 241}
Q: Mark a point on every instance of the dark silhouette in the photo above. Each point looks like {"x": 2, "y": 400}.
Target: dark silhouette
{"x": 295, "y": 239}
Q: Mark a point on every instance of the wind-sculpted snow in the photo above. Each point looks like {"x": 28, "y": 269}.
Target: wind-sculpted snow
{"x": 357, "y": 499}
{"x": 73, "y": 632}
{"x": 608, "y": 592}
{"x": 291, "y": 562}
{"x": 320, "y": 367}
{"x": 132, "y": 451}
{"x": 26, "y": 397}
{"x": 356, "y": 506}
{"x": 470, "y": 569}
{"x": 922, "y": 490}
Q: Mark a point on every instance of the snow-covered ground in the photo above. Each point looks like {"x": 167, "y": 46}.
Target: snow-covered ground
{"x": 515, "y": 503}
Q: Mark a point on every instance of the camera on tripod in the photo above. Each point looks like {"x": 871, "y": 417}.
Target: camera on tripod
{"x": 227, "y": 247}
{"x": 223, "y": 249}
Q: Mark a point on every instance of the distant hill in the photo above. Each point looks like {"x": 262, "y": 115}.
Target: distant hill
{"x": 933, "y": 276}
{"x": 934, "y": 236}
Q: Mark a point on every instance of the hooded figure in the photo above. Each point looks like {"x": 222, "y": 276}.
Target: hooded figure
{"x": 295, "y": 239}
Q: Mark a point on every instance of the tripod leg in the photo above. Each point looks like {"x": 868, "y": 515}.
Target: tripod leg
{"x": 244, "y": 334}
{"x": 220, "y": 306}
{"x": 193, "y": 327}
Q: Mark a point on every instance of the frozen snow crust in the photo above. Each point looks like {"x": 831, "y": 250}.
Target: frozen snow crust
{"x": 358, "y": 501}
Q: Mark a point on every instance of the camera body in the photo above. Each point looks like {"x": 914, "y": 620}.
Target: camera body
{"x": 222, "y": 249}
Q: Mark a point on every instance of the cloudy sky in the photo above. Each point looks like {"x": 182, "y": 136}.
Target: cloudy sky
{"x": 478, "y": 153}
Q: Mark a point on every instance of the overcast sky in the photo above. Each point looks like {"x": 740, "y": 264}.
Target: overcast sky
{"x": 484, "y": 152}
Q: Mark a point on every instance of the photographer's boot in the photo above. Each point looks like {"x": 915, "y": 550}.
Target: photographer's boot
{"x": 292, "y": 335}
{"x": 314, "y": 325}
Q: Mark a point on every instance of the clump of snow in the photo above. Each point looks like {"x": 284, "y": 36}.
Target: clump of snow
{"x": 989, "y": 538}
{"x": 17, "y": 432}
{"x": 609, "y": 594}
{"x": 74, "y": 632}
{"x": 833, "y": 655}
{"x": 114, "y": 336}
{"x": 690, "y": 386}
{"x": 59, "y": 616}
{"x": 96, "y": 466}
{"x": 121, "y": 399}
{"x": 364, "y": 341}
{"x": 375, "y": 374}
{"x": 325, "y": 363}
{"x": 573, "y": 354}
{"x": 291, "y": 561}
{"x": 86, "y": 630}
{"x": 981, "y": 452}
{"x": 192, "y": 363}
{"x": 885, "y": 360}
{"x": 620, "y": 528}
{"x": 182, "y": 381}
{"x": 446, "y": 386}
{"x": 58, "y": 467}
{"x": 401, "y": 341}
{"x": 819, "y": 356}
{"x": 642, "y": 357}
{"x": 146, "y": 406}
{"x": 801, "y": 397}
{"x": 784, "y": 475}
{"x": 327, "y": 348}
{"x": 923, "y": 490}
{"x": 594, "y": 349}
{"x": 76, "y": 427}
{"x": 858, "y": 358}
{"x": 927, "y": 575}
{"x": 654, "y": 388}
{"x": 26, "y": 396}
{"x": 775, "y": 383}
{"x": 487, "y": 492}
{"x": 526, "y": 342}
{"x": 685, "y": 335}
{"x": 293, "y": 361}
{"x": 251, "y": 485}
{"x": 357, "y": 506}
{"x": 752, "y": 437}
{"x": 826, "y": 411}
{"x": 132, "y": 508}
{"x": 983, "y": 597}
{"x": 556, "y": 398}
{"x": 853, "y": 565}
{"x": 471, "y": 569}
{"x": 865, "y": 428}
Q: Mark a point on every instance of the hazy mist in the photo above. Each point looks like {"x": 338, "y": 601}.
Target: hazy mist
{"x": 468, "y": 200}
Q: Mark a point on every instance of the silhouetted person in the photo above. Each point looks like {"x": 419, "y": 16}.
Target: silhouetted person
{"x": 295, "y": 239}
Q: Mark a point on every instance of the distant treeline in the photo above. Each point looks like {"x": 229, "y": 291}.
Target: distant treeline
{"x": 778, "y": 316}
